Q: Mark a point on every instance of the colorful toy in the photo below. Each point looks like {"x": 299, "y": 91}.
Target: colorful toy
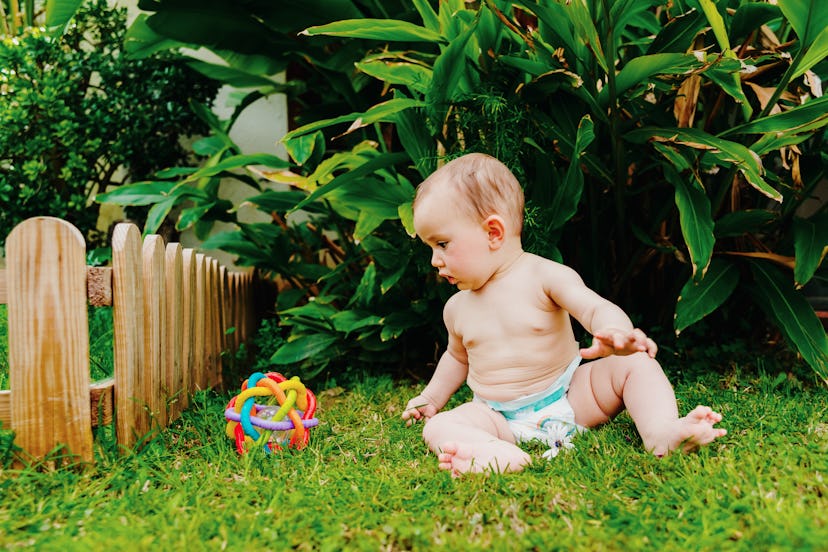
{"x": 245, "y": 417}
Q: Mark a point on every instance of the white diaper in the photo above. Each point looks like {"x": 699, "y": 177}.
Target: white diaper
{"x": 546, "y": 415}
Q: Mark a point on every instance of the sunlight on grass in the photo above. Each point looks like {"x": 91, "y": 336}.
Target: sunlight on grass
{"x": 366, "y": 482}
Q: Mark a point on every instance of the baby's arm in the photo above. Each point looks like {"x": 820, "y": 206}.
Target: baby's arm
{"x": 449, "y": 375}
{"x": 611, "y": 328}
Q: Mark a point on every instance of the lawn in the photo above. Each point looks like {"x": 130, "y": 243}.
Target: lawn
{"x": 366, "y": 482}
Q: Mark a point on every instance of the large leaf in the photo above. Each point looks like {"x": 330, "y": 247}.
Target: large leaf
{"x": 565, "y": 202}
{"x": 304, "y": 347}
{"x": 739, "y": 223}
{"x": 142, "y": 193}
{"x": 381, "y": 112}
{"x": 449, "y": 78}
{"x": 724, "y": 152}
{"x": 793, "y": 315}
{"x": 802, "y": 118}
{"x": 392, "y": 30}
{"x": 810, "y": 245}
{"x": 413, "y": 75}
{"x": 699, "y": 298}
{"x": 642, "y": 68}
{"x": 363, "y": 170}
{"x": 59, "y": 13}
{"x": 695, "y": 220}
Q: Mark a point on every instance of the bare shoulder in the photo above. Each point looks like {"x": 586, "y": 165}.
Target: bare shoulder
{"x": 552, "y": 271}
{"x": 453, "y": 305}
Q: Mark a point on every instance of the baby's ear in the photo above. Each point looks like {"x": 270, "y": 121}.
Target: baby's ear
{"x": 496, "y": 230}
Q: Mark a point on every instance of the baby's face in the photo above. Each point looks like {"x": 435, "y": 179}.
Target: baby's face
{"x": 459, "y": 245}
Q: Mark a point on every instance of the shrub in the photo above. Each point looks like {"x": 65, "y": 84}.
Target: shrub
{"x": 666, "y": 148}
{"x": 74, "y": 110}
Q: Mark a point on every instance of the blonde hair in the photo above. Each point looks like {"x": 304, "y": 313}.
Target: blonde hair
{"x": 484, "y": 186}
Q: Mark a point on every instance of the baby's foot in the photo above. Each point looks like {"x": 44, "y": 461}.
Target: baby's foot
{"x": 496, "y": 456}
{"x": 688, "y": 433}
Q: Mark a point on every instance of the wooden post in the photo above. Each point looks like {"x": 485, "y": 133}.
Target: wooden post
{"x": 200, "y": 312}
{"x": 132, "y": 421}
{"x": 48, "y": 338}
{"x": 216, "y": 333}
{"x": 155, "y": 327}
{"x": 175, "y": 328}
{"x": 188, "y": 290}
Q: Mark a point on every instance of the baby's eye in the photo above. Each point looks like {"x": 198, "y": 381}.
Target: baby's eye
{"x": 442, "y": 244}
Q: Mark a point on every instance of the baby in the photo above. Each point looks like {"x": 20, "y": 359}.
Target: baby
{"x": 510, "y": 337}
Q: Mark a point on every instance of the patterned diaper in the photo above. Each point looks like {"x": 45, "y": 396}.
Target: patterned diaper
{"x": 546, "y": 415}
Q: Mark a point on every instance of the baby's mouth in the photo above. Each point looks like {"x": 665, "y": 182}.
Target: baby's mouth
{"x": 450, "y": 279}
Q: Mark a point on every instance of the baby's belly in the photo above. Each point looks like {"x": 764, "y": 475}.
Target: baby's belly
{"x": 508, "y": 375}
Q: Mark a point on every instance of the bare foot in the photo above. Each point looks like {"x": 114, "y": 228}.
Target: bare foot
{"x": 496, "y": 456}
{"x": 686, "y": 434}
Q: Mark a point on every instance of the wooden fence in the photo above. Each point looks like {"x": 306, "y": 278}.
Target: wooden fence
{"x": 172, "y": 308}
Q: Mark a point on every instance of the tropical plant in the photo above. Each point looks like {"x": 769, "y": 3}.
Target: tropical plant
{"x": 74, "y": 112}
{"x": 694, "y": 156}
{"x": 667, "y": 149}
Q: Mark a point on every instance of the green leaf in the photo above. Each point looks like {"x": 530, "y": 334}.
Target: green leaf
{"x": 810, "y": 246}
{"x": 158, "y": 213}
{"x": 236, "y": 77}
{"x": 716, "y": 23}
{"x": 366, "y": 290}
{"x": 59, "y": 13}
{"x": 429, "y": 16}
{"x": 240, "y": 162}
{"x": 739, "y": 223}
{"x": 678, "y": 33}
{"x": 406, "y": 213}
{"x": 301, "y": 148}
{"x": 640, "y": 69}
{"x": 696, "y": 221}
{"x": 141, "y": 41}
{"x": 142, "y": 193}
{"x": 724, "y": 151}
{"x": 380, "y": 113}
{"x": 367, "y": 222}
{"x": 750, "y": 16}
{"x": 792, "y": 314}
{"x": 304, "y": 347}
{"x": 348, "y": 321}
{"x": 568, "y": 194}
{"x": 792, "y": 121}
{"x": 363, "y": 170}
{"x": 699, "y": 298}
{"x": 392, "y": 30}
{"x": 413, "y": 75}
{"x": 449, "y": 78}
{"x": 809, "y": 18}
{"x": 388, "y": 281}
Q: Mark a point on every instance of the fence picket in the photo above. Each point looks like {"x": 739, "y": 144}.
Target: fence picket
{"x": 173, "y": 378}
{"x": 128, "y": 320}
{"x": 46, "y": 263}
{"x": 154, "y": 327}
{"x": 188, "y": 289}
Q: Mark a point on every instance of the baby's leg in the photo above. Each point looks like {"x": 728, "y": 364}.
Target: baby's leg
{"x": 602, "y": 388}
{"x": 473, "y": 438}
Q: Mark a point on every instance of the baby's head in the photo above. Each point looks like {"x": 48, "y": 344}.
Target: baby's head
{"x": 478, "y": 185}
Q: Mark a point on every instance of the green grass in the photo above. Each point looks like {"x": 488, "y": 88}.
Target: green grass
{"x": 366, "y": 482}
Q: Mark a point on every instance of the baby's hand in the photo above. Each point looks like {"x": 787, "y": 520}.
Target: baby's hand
{"x": 619, "y": 342}
{"x": 417, "y": 408}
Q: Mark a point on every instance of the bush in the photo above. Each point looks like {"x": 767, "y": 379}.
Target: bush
{"x": 74, "y": 110}
{"x": 666, "y": 148}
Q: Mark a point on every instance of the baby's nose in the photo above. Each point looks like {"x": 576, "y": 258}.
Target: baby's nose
{"x": 436, "y": 260}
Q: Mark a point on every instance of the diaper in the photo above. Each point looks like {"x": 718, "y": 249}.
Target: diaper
{"x": 546, "y": 415}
